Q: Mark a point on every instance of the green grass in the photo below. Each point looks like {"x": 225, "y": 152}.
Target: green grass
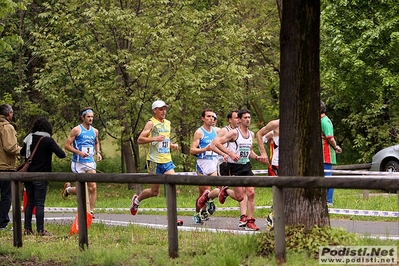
{"x": 131, "y": 245}
{"x": 135, "y": 245}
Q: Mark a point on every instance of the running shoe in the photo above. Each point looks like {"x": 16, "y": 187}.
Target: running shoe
{"x": 135, "y": 205}
{"x": 64, "y": 192}
{"x": 223, "y": 194}
{"x": 203, "y": 199}
{"x": 270, "y": 221}
{"x": 92, "y": 214}
{"x": 197, "y": 218}
{"x": 243, "y": 221}
{"x": 210, "y": 207}
{"x": 251, "y": 226}
{"x": 204, "y": 215}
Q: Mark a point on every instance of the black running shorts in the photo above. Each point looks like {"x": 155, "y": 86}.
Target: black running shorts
{"x": 240, "y": 169}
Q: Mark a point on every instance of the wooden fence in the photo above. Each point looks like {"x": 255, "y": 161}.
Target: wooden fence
{"x": 170, "y": 181}
{"x": 364, "y": 166}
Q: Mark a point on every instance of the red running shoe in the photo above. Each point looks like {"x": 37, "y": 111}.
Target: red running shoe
{"x": 251, "y": 226}
{"x": 243, "y": 221}
{"x": 203, "y": 199}
{"x": 134, "y": 207}
{"x": 223, "y": 194}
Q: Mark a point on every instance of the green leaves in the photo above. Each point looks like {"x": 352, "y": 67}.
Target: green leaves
{"x": 360, "y": 72}
{"x": 119, "y": 57}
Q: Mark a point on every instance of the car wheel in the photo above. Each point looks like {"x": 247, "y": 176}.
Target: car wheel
{"x": 392, "y": 166}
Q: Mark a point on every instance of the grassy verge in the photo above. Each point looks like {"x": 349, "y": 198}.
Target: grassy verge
{"x": 134, "y": 245}
{"x": 131, "y": 245}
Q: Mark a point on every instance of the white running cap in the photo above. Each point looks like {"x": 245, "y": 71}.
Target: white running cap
{"x": 158, "y": 104}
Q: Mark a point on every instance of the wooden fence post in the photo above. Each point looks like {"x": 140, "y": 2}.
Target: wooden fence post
{"x": 172, "y": 220}
{"x": 279, "y": 225}
{"x": 81, "y": 199}
{"x": 366, "y": 194}
{"x": 16, "y": 213}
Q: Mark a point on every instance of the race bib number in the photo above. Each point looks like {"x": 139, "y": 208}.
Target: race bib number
{"x": 164, "y": 146}
{"x": 89, "y": 149}
{"x": 244, "y": 155}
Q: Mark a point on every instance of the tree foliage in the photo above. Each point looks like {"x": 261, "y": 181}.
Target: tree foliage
{"x": 8, "y": 35}
{"x": 360, "y": 73}
{"x": 120, "y": 57}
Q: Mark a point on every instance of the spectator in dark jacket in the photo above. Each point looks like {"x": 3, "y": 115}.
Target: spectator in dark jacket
{"x": 41, "y": 162}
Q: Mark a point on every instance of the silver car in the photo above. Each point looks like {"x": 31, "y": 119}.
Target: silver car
{"x": 386, "y": 160}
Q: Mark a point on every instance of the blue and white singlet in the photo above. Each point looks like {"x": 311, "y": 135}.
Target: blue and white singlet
{"x": 85, "y": 142}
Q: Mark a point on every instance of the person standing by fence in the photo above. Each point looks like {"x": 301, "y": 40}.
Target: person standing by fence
{"x": 156, "y": 134}
{"x": 83, "y": 142}
{"x": 41, "y": 162}
{"x": 330, "y": 148}
{"x": 9, "y": 150}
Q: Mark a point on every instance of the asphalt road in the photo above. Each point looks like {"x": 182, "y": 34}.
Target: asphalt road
{"x": 220, "y": 224}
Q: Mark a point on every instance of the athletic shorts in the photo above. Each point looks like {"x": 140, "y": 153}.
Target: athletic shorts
{"x": 159, "y": 168}
{"x": 78, "y": 167}
{"x": 206, "y": 167}
{"x": 272, "y": 170}
{"x": 328, "y": 166}
{"x": 222, "y": 169}
{"x": 240, "y": 169}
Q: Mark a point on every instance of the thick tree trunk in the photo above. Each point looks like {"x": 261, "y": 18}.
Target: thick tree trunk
{"x": 300, "y": 130}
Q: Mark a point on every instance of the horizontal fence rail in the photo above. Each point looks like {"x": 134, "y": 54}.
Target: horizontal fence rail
{"x": 278, "y": 183}
{"x": 366, "y": 182}
{"x": 364, "y": 166}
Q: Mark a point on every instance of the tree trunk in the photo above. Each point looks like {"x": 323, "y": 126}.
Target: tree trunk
{"x": 280, "y": 9}
{"x": 127, "y": 157}
{"x": 261, "y": 119}
{"x": 300, "y": 127}
{"x": 183, "y": 134}
{"x": 20, "y": 68}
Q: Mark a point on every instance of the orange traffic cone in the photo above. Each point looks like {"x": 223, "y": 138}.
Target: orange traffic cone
{"x": 75, "y": 227}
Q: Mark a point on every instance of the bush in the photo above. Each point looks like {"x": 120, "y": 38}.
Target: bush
{"x": 308, "y": 240}
{"x": 60, "y": 165}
